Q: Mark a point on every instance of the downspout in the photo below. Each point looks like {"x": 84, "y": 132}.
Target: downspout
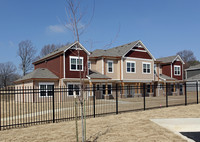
{"x": 64, "y": 65}
{"x": 171, "y": 70}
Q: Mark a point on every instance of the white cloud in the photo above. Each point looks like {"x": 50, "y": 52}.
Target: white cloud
{"x": 57, "y": 29}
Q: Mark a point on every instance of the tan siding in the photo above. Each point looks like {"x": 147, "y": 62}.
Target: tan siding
{"x": 99, "y": 66}
{"x": 93, "y": 64}
{"x": 139, "y": 75}
{"x": 116, "y": 67}
{"x": 22, "y": 92}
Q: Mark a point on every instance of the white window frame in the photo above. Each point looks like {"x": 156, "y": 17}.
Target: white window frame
{"x": 72, "y": 83}
{"x": 107, "y": 87}
{"x": 45, "y": 83}
{"x": 89, "y": 64}
{"x": 130, "y": 66}
{"x": 75, "y": 57}
{"x": 146, "y": 68}
{"x": 110, "y": 61}
{"x": 177, "y": 66}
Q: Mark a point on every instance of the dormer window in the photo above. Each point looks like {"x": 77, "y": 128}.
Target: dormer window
{"x": 177, "y": 70}
{"x": 76, "y": 63}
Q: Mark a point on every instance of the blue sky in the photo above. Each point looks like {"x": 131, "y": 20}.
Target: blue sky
{"x": 164, "y": 26}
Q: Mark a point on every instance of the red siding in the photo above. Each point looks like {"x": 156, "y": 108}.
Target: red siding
{"x": 55, "y": 65}
{"x": 75, "y": 74}
{"x": 138, "y": 54}
{"x": 176, "y": 76}
{"x": 166, "y": 70}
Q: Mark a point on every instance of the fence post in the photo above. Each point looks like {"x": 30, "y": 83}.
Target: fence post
{"x": 185, "y": 93}
{"x": 144, "y": 93}
{"x": 166, "y": 95}
{"x": 197, "y": 87}
{"x": 53, "y": 106}
{"x": 94, "y": 100}
{"x": 116, "y": 99}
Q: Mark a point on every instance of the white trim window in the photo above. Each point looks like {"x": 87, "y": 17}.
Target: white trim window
{"x": 146, "y": 68}
{"x": 46, "y": 89}
{"x": 177, "y": 70}
{"x": 89, "y": 64}
{"x": 76, "y": 63}
{"x": 130, "y": 67}
{"x": 110, "y": 66}
{"x": 73, "y": 87}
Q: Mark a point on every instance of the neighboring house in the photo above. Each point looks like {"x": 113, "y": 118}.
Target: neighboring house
{"x": 169, "y": 70}
{"x": 61, "y": 68}
{"x": 192, "y": 75}
{"x": 127, "y": 65}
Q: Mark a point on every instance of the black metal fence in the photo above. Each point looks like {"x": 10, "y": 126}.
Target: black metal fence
{"x": 22, "y": 107}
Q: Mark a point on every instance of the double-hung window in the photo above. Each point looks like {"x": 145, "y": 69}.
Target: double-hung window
{"x": 147, "y": 68}
{"x": 130, "y": 66}
{"x": 110, "y": 66}
{"x": 76, "y": 63}
{"x": 72, "y": 88}
{"x": 46, "y": 89}
{"x": 109, "y": 89}
{"x": 177, "y": 70}
{"x": 89, "y": 64}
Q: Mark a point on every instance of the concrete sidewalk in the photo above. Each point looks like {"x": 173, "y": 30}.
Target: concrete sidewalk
{"x": 178, "y": 125}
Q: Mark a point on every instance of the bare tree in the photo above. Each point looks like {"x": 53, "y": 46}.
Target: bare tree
{"x": 7, "y": 73}
{"x": 50, "y": 48}
{"x": 74, "y": 22}
{"x": 26, "y": 52}
{"x": 188, "y": 57}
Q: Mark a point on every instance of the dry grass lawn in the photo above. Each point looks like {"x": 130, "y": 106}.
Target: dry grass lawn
{"x": 127, "y": 127}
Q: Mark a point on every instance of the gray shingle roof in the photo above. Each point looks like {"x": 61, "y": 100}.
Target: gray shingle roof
{"x": 194, "y": 67}
{"x": 167, "y": 77}
{"x": 97, "y": 75}
{"x": 114, "y": 52}
{"x": 168, "y": 59}
{"x": 39, "y": 73}
{"x": 55, "y": 52}
{"x": 194, "y": 78}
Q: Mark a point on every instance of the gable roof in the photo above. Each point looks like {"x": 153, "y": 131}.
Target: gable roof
{"x": 40, "y": 73}
{"x": 195, "y": 67}
{"x": 194, "y": 78}
{"x": 170, "y": 59}
{"x": 61, "y": 50}
{"x": 165, "y": 77}
{"x": 119, "y": 51}
{"x": 97, "y": 75}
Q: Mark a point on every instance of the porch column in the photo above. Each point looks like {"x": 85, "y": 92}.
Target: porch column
{"x": 165, "y": 86}
{"x": 122, "y": 95}
{"x": 91, "y": 88}
{"x": 136, "y": 88}
{"x": 139, "y": 88}
{"x": 106, "y": 95}
{"x": 174, "y": 87}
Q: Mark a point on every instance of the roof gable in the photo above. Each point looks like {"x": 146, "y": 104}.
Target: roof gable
{"x": 170, "y": 59}
{"x": 140, "y": 47}
{"x": 40, "y": 73}
{"x": 120, "y": 51}
{"x": 62, "y": 50}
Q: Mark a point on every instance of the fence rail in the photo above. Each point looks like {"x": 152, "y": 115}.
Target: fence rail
{"x": 22, "y": 107}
